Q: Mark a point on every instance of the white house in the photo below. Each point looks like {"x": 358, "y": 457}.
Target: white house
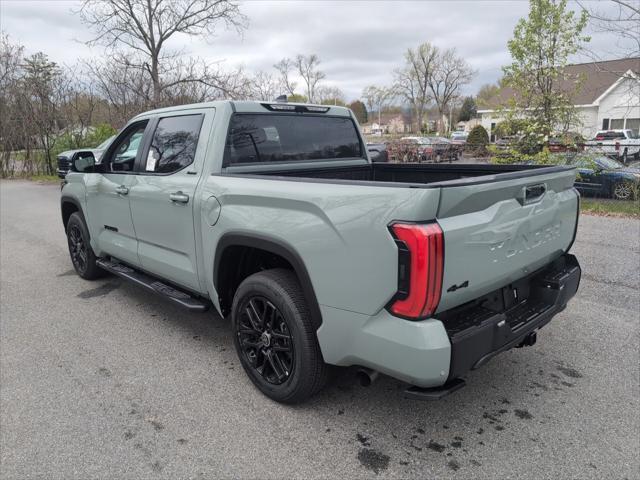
{"x": 608, "y": 97}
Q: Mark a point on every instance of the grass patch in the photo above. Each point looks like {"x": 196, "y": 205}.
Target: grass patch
{"x": 610, "y": 208}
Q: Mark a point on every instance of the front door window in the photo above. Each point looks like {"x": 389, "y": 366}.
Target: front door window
{"x": 122, "y": 157}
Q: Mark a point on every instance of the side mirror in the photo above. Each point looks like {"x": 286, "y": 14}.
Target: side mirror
{"x": 84, "y": 162}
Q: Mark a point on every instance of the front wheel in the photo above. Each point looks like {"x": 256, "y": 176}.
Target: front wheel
{"x": 275, "y": 338}
{"x": 80, "y": 251}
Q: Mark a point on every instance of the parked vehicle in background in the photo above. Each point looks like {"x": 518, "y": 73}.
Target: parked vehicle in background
{"x": 603, "y": 176}
{"x": 273, "y": 214}
{"x": 622, "y": 145}
{"x": 565, "y": 144}
{"x": 65, "y": 159}
{"x": 445, "y": 150}
{"x": 459, "y": 137}
{"x": 434, "y": 149}
{"x": 506, "y": 142}
{"x": 378, "y": 152}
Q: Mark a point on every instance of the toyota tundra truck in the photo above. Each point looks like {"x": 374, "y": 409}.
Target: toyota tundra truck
{"x": 273, "y": 215}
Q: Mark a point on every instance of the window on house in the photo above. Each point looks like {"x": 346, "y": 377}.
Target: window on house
{"x": 605, "y": 124}
{"x": 616, "y": 124}
{"x": 633, "y": 124}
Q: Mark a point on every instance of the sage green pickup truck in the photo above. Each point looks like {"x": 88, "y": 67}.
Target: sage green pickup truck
{"x": 273, "y": 214}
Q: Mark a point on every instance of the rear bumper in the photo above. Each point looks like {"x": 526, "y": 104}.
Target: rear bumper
{"x": 478, "y": 333}
{"x": 430, "y": 353}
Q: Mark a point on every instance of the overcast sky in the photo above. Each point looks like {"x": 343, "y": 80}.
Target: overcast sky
{"x": 359, "y": 42}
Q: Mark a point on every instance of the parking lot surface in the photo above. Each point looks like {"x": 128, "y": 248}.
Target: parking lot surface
{"x": 104, "y": 380}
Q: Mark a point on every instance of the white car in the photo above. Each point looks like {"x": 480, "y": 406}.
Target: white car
{"x": 459, "y": 137}
{"x": 623, "y": 145}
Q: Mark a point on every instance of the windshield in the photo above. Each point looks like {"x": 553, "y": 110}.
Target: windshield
{"x": 283, "y": 137}
{"x": 608, "y": 163}
{"x": 105, "y": 144}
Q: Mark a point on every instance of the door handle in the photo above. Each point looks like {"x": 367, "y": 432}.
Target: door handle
{"x": 122, "y": 190}
{"x": 179, "y": 197}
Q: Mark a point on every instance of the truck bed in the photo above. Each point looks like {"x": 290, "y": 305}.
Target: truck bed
{"x": 415, "y": 175}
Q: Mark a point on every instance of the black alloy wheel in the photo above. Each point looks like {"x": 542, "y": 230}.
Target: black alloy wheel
{"x": 77, "y": 249}
{"x": 80, "y": 251}
{"x": 265, "y": 339}
{"x": 275, "y": 337}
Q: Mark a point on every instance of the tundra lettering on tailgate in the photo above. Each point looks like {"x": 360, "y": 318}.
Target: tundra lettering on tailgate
{"x": 517, "y": 242}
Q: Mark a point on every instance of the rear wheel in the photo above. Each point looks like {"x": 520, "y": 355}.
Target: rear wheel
{"x": 80, "y": 251}
{"x": 275, "y": 338}
{"x": 623, "y": 191}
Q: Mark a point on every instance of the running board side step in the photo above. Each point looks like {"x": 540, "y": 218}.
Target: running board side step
{"x": 178, "y": 297}
{"x": 434, "y": 393}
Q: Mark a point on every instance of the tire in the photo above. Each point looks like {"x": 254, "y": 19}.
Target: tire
{"x": 623, "y": 191}
{"x": 277, "y": 345}
{"x": 80, "y": 251}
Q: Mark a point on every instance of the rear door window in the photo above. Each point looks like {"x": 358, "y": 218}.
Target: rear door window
{"x": 174, "y": 142}
{"x": 264, "y": 138}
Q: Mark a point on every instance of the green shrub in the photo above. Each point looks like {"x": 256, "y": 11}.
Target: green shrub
{"x": 99, "y": 134}
{"x": 478, "y": 136}
{"x": 478, "y": 140}
{"x": 72, "y": 141}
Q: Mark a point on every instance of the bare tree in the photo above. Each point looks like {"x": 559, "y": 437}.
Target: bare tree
{"x": 412, "y": 80}
{"x": 43, "y": 86}
{"x": 330, "y": 96}
{"x": 623, "y": 22}
{"x": 308, "y": 69}
{"x": 431, "y": 74}
{"x": 376, "y": 98}
{"x": 145, "y": 27}
{"x": 449, "y": 75}
{"x": 12, "y": 130}
{"x": 126, "y": 88}
{"x": 285, "y": 67}
{"x": 264, "y": 86}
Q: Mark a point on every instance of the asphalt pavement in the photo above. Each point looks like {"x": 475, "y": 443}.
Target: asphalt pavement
{"x": 104, "y": 380}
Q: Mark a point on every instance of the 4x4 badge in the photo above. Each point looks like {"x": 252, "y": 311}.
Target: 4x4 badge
{"x": 453, "y": 288}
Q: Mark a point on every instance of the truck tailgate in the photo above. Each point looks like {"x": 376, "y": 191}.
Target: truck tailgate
{"x": 501, "y": 228}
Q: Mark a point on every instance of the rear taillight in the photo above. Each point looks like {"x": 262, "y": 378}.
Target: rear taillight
{"x": 421, "y": 263}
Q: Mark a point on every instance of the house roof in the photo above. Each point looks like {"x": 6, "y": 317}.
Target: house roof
{"x": 596, "y": 78}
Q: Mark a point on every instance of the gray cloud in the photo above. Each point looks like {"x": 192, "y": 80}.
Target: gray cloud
{"x": 359, "y": 42}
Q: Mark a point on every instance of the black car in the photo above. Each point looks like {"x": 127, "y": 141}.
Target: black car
{"x": 378, "y": 152}
{"x": 603, "y": 176}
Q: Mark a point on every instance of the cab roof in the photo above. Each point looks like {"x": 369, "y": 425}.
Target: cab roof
{"x": 253, "y": 106}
